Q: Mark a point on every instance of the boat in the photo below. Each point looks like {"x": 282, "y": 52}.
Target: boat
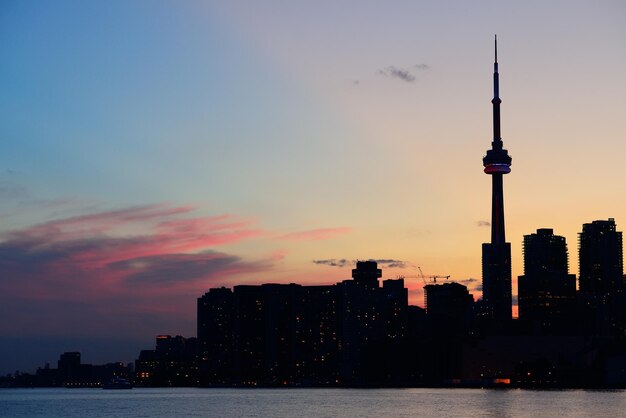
{"x": 117, "y": 383}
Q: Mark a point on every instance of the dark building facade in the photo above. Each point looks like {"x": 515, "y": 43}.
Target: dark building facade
{"x": 496, "y": 255}
{"x": 547, "y": 292}
{"x": 70, "y": 367}
{"x": 267, "y": 333}
{"x": 288, "y": 334}
{"x": 367, "y": 314}
{"x": 601, "y": 258}
{"x": 601, "y": 278}
{"x": 270, "y": 334}
{"x": 448, "y": 300}
{"x": 449, "y": 308}
{"x": 173, "y": 362}
{"x": 214, "y": 330}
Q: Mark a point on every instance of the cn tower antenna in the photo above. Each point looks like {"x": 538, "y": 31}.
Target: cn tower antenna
{"x": 496, "y": 45}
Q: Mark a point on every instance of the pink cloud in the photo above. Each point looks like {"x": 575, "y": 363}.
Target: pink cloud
{"x": 278, "y": 255}
{"x": 100, "y": 263}
{"x": 316, "y": 234}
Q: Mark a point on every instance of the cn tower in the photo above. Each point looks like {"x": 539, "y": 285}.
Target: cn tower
{"x": 497, "y": 254}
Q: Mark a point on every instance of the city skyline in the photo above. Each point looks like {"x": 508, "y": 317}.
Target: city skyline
{"x": 112, "y": 145}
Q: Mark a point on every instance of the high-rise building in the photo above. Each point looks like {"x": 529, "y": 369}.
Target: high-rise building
{"x": 367, "y": 273}
{"x": 547, "y": 292}
{"x": 360, "y": 312}
{"x": 215, "y": 329}
{"x": 451, "y": 301}
{"x": 496, "y": 260}
{"x": 267, "y": 332}
{"x": 601, "y": 278}
{"x": 318, "y": 352}
{"x": 397, "y": 301}
{"x": 601, "y": 259}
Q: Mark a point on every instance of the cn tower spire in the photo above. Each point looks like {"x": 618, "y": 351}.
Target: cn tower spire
{"x": 497, "y": 140}
{"x": 497, "y": 253}
{"x": 495, "y": 41}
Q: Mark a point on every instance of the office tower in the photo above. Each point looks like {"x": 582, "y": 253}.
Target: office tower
{"x": 496, "y": 260}
{"x": 601, "y": 277}
{"x": 547, "y": 292}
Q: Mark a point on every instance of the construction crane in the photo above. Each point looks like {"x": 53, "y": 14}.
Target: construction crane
{"x": 422, "y": 276}
{"x": 433, "y": 276}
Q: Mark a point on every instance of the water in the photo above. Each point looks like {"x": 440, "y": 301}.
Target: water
{"x": 192, "y": 402}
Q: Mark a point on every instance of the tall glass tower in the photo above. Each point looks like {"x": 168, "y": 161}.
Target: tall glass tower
{"x": 497, "y": 253}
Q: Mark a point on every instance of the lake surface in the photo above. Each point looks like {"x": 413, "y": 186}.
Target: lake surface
{"x": 196, "y": 402}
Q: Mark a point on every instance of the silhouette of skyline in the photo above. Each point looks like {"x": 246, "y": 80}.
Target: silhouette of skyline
{"x": 356, "y": 333}
{"x": 153, "y": 153}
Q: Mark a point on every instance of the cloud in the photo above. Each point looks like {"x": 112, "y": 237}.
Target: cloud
{"x": 333, "y": 262}
{"x": 398, "y": 73}
{"x": 391, "y": 263}
{"x": 95, "y": 239}
{"x": 132, "y": 263}
{"x": 422, "y": 66}
{"x": 342, "y": 262}
{"x": 167, "y": 269}
{"x": 315, "y": 234}
{"x": 483, "y": 223}
{"x": 472, "y": 284}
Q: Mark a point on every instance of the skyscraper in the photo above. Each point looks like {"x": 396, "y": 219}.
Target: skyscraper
{"x": 547, "y": 292}
{"x": 215, "y": 331}
{"x": 449, "y": 305}
{"x": 602, "y": 277}
{"x": 601, "y": 261}
{"x": 497, "y": 254}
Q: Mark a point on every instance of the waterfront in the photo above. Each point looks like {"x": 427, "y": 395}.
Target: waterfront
{"x": 190, "y": 402}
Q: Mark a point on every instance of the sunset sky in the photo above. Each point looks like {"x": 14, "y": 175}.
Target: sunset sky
{"x": 152, "y": 150}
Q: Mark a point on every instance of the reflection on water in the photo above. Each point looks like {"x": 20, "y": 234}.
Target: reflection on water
{"x": 142, "y": 402}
